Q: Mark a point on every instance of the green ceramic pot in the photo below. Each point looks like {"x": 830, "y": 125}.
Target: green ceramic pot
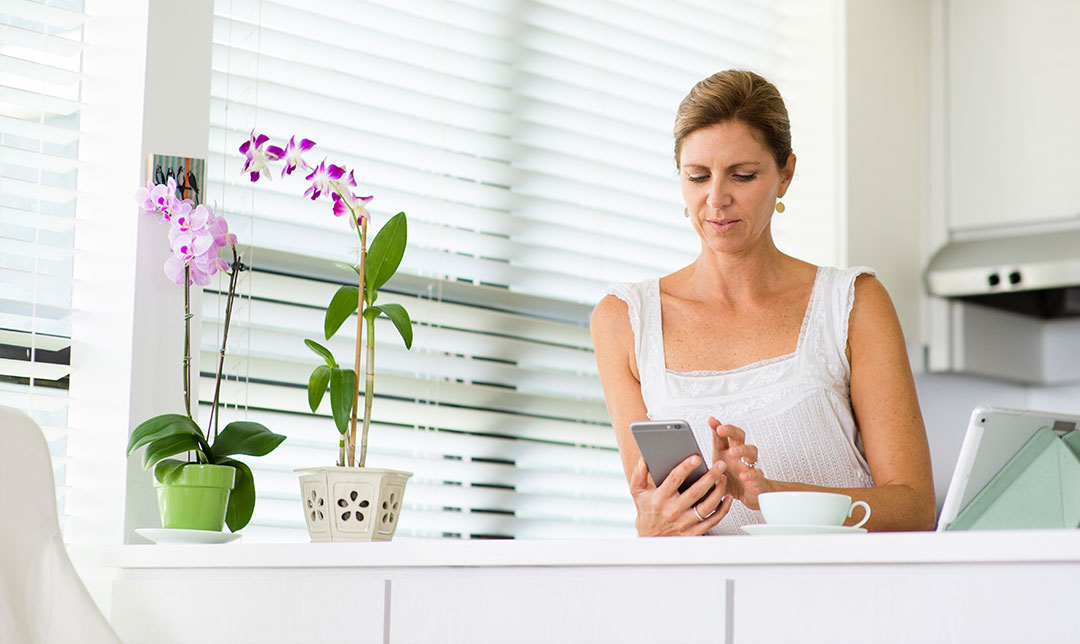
{"x": 196, "y": 497}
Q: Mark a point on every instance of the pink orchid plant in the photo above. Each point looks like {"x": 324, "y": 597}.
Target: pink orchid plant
{"x": 196, "y": 234}
{"x": 374, "y": 268}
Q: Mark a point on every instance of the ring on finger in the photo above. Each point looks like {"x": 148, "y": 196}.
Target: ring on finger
{"x": 698, "y": 514}
{"x": 747, "y": 464}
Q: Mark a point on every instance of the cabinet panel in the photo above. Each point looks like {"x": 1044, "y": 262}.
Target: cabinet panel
{"x": 222, "y": 605}
{"x": 1013, "y": 102}
{"x": 560, "y": 605}
{"x": 872, "y": 604}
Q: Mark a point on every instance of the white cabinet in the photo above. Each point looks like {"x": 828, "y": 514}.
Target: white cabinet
{"x": 1013, "y": 124}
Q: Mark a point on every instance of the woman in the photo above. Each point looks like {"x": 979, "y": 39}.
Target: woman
{"x": 806, "y": 366}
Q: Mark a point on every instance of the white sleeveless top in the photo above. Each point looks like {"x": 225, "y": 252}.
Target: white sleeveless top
{"x": 795, "y": 408}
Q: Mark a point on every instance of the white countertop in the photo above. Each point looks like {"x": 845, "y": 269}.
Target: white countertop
{"x": 883, "y": 548}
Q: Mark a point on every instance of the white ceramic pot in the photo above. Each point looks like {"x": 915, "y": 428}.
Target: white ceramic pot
{"x": 351, "y": 503}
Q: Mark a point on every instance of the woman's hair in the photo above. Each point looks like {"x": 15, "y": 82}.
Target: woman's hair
{"x": 736, "y": 95}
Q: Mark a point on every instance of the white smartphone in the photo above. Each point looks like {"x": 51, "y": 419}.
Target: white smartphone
{"x": 666, "y": 443}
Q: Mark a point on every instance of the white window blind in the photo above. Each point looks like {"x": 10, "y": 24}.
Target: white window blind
{"x": 529, "y": 142}
{"x": 41, "y": 45}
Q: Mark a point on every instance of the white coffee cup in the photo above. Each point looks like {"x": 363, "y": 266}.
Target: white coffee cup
{"x": 810, "y": 508}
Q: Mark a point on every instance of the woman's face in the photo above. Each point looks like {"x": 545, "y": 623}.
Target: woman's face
{"x": 730, "y": 182}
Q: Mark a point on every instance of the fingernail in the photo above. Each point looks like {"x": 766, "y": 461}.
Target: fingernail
{"x": 694, "y": 460}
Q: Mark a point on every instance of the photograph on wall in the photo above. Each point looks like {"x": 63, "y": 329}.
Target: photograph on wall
{"x": 189, "y": 173}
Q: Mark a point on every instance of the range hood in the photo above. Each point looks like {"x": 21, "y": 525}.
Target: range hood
{"x": 1036, "y": 275}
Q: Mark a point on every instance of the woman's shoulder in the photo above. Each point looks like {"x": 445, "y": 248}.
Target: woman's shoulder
{"x": 622, "y": 300}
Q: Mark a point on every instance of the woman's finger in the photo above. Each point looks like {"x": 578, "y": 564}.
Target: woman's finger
{"x": 639, "y": 478}
{"x": 717, "y": 516}
{"x": 674, "y": 480}
{"x": 713, "y": 497}
{"x": 700, "y": 490}
{"x": 734, "y": 435}
{"x": 720, "y": 442}
{"x": 748, "y": 455}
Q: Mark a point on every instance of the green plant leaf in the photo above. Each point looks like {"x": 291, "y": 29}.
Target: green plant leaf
{"x": 323, "y": 352}
{"x": 385, "y": 255}
{"x": 161, "y": 427}
{"x": 400, "y": 317}
{"x": 165, "y": 470}
{"x": 242, "y": 498}
{"x": 342, "y": 305}
{"x": 316, "y": 386}
{"x": 348, "y": 267}
{"x": 342, "y": 383}
{"x": 170, "y": 446}
{"x": 244, "y": 437}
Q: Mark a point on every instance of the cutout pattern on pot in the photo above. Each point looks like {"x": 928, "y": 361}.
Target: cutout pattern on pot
{"x": 316, "y": 511}
{"x": 352, "y": 506}
{"x": 389, "y": 507}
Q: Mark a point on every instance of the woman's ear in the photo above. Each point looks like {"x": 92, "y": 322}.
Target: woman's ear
{"x": 786, "y": 174}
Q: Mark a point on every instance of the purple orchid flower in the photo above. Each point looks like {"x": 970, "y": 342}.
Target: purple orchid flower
{"x": 321, "y": 178}
{"x": 257, "y": 160}
{"x": 352, "y": 205}
{"x": 292, "y": 155}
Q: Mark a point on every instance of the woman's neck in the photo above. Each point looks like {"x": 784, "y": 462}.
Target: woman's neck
{"x": 737, "y": 276}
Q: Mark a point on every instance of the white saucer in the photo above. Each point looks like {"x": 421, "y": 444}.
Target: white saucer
{"x": 765, "y": 529}
{"x": 173, "y": 535}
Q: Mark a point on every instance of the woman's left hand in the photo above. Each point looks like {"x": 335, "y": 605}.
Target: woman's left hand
{"x": 745, "y": 481}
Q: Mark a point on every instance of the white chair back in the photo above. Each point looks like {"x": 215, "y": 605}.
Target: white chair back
{"x": 42, "y": 598}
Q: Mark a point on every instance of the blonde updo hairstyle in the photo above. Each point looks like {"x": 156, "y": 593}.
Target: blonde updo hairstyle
{"x": 736, "y": 95}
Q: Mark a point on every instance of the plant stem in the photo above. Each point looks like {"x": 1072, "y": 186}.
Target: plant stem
{"x": 356, "y": 363}
{"x": 236, "y": 268}
{"x": 187, "y": 340}
{"x": 341, "y": 451}
{"x": 369, "y": 388}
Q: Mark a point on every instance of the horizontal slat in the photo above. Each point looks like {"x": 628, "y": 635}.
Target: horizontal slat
{"x": 35, "y": 370}
{"x": 317, "y": 437}
{"x": 297, "y": 238}
{"x": 453, "y": 499}
{"x": 664, "y": 235}
{"x": 430, "y": 334}
{"x": 37, "y": 163}
{"x": 35, "y": 340}
{"x": 424, "y": 388}
{"x": 38, "y": 12}
{"x": 387, "y": 410}
{"x": 427, "y": 524}
{"x": 45, "y": 133}
{"x": 391, "y": 357}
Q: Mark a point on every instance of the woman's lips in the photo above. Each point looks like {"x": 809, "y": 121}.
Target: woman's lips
{"x": 721, "y": 225}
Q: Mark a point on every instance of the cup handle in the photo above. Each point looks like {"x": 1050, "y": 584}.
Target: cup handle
{"x": 866, "y": 515}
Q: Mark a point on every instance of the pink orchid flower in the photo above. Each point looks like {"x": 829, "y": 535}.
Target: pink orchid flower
{"x": 292, "y": 155}
{"x": 321, "y": 178}
{"x": 160, "y": 199}
{"x": 353, "y": 205}
{"x": 257, "y": 160}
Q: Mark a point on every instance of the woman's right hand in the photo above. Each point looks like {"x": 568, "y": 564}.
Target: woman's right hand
{"x": 663, "y": 511}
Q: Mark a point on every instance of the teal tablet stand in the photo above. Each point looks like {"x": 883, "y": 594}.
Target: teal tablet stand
{"x": 1038, "y": 488}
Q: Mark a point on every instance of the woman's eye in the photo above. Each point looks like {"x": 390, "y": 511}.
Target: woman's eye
{"x": 745, "y": 177}
{"x": 700, "y": 178}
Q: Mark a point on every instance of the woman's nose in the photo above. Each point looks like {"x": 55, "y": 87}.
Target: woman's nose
{"x": 718, "y": 196}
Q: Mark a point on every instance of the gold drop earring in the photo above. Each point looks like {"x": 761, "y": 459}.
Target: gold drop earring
{"x": 779, "y": 206}
{"x": 686, "y": 212}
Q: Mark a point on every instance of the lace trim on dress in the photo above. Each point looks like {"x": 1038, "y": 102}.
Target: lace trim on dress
{"x": 849, "y": 303}
{"x": 625, "y": 293}
{"x": 807, "y": 316}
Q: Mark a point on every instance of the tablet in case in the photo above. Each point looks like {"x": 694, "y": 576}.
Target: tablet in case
{"x": 1039, "y": 487}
